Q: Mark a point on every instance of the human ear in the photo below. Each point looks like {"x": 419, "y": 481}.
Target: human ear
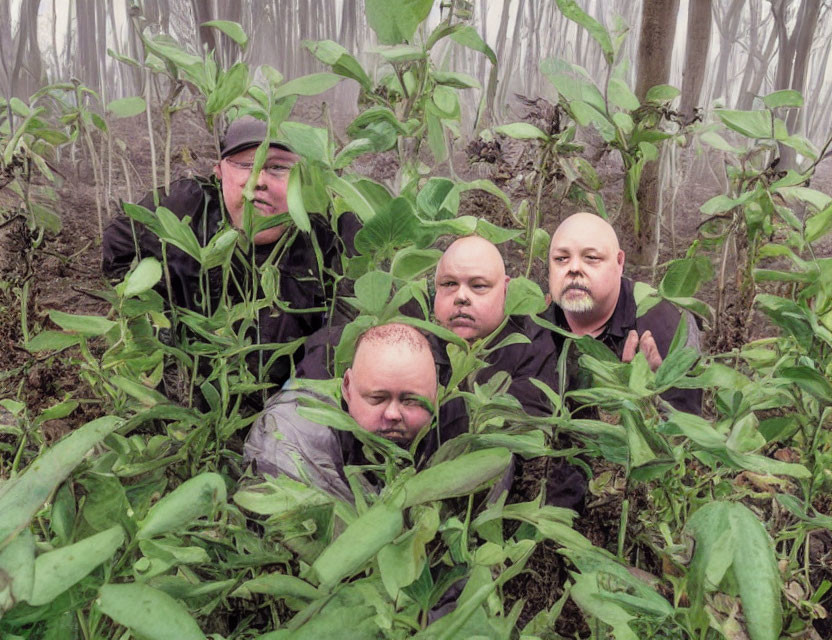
{"x": 218, "y": 171}
{"x": 620, "y": 259}
{"x": 346, "y": 386}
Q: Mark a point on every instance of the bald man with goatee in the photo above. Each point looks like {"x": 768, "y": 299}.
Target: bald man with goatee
{"x": 592, "y": 297}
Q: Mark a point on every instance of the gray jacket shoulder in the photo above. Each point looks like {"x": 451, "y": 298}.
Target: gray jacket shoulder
{"x": 281, "y": 442}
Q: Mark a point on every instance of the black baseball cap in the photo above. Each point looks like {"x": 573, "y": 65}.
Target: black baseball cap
{"x": 244, "y": 133}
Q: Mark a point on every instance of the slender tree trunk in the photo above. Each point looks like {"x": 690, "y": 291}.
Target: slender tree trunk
{"x": 696, "y": 54}
{"x": 655, "y": 50}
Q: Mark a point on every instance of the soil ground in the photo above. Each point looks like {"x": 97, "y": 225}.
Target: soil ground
{"x": 63, "y": 273}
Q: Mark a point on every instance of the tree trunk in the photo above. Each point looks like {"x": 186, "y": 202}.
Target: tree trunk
{"x": 655, "y": 50}
{"x": 727, "y": 37}
{"x": 696, "y": 54}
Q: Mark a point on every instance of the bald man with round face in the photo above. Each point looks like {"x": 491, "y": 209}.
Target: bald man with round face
{"x": 391, "y": 386}
{"x": 389, "y": 390}
{"x": 471, "y": 285}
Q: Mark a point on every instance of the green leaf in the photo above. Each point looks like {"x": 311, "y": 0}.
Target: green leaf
{"x": 143, "y": 278}
{"x": 52, "y": 341}
{"x": 819, "y": 224}
{"x": 58, "y": 570}
{"x": 178, "y": 232}
{"x": 294, "y": 199}
{"x": 524, "y": 297}
{"x": 521, "y": 131}
{"x": 340, "y": 60}
{"x": 232, "y": 29}
{"x": 46, "y": 218}
{"x": 394, "y": 226}
{"x": 310, "y": 142}
{"x": 353, "y": 150}
{"x": 457, "y": 477}
{"x": 752, "y": 124}
{"x": 83, "y": 325}
{"x": 729, "y": 537}
{"x": 411, "y": 263}
{"x": 23, "y": 496}
{"x": 571, "y": 10}
{"x": 17, "y": 565}
{"x": 127, "y": 107}
{"x": 395, "y": 21}
{"x": 362, "y": 204}
{"x": 195, "y": 498}
{"x": 402, "y": 54}
{"x": 456, "y": 80}
{"x": 219, "y": 249}
{"x": 684, "y": 277}
{"x": 783, "y": 98}
{"x": 373, "y": 290}
{"x": 436, "y": 138}
{"x": 231, "y": 85}
{"x": 467, "y": 36}
{"x": 809, "y": 380}
{"x": 310, "y": 85}
{"x": 145, "y": 395}
{"x": 621, "y": 95}
{"x": 148, "y": 612}
{"x": 358, "y": 544}
{"x": 277, "y": 585}
{"x": 661, "y": 93}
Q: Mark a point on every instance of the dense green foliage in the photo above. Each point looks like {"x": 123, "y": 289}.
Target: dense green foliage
{"x": 135, "y": 524}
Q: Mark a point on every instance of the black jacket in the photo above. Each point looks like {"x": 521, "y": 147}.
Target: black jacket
{"x": 302, "y": 285}
{"x": 662, "y": 321}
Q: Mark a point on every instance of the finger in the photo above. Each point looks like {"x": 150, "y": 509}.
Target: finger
{"x": 647, "y": 345}
{"x": 629, "y": 351}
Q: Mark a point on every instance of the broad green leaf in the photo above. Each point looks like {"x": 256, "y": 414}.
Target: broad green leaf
{"x": 457, "y": 477}
{"x": 402, "y": 54}
{"x": 524, "y": 297}
{"x": 373, "y": 290}
{"x": 310, "y": 142}
{"x": 661, "y": 93}
{"x": 144, "y": 277}
{"x": 521, "y": 131}
{"x": 219, "y": 249}
{"x": 684, "y": 277}
{"x": 310, "y": 85}
{"x": 436, "y": 138}
{"x": 361, "y": 204}
{"x": 178, "y": 232}
{"x": 23, "y": 496}
{"x": 46, "y": 218}
{"x": 495, "y": 234}
{"x": 752, "y": 124}
{"x": 58, "y": 570}
{"x": 17, "y": 565}
{"x": 730, "y": 537}
{"x": 232, "y": 29}
{"x": 411, "y": 263}
{"x": 353, "y": 150}
{"x": 127, "y": 107}
{"x": 393, "y": 227}
{"x": 438, "y": 199}
{"x": 294, "y": 200}
{"x": 819, "y": 224}
{"x": 340, "y": 60}
{"x": 571, "y": 10}
{"x": 456, "y": 80}
{"x": 148, "y": 612}
{"x": 675, "y": 365}
{"x": 231, "y": 85}
{"x": 621, "y": 95}
{"x": 84, "y": 325}
{"x": 395, "y": 21}
{"x": 359, "y": 543}
{"x": 144, "y": 394}
{"x": 277, "y": 585}
{"x": 783, "y": 98}
{"x": 195, "y": 498}
{"x": 52, "y": 341}
{"x": 467, "y": 36}
{"x": 809, "y": 380}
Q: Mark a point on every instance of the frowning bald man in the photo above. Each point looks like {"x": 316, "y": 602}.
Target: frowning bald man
{"x": 592, "y": 297}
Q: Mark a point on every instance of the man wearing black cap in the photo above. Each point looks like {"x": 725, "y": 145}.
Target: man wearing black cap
{"x": 216, "y": 203}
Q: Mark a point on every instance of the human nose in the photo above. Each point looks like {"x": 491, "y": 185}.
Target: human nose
{"x": 573, "y": 266}
{"x": 462, "y": 296}
{"x": 393, "y": 412}
{"x": 262, "y": 178}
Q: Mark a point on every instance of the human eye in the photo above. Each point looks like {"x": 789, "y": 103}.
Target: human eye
{"x": 411, "y": 401}
{"x": 480, "y": 286}
{"x": 593, "y": 258}
{"x": 277, "y": 170}
{"x": 558, "y": 258}
{"x": 447, "y": 283}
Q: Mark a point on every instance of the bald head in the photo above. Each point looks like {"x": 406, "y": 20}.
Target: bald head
{"x": 471, "y": 287}
{"x": 585, "y": 268}
{"x": 393, "y": 371}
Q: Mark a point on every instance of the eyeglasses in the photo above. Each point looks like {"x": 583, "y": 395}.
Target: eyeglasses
{"x": 274, "y": 170}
